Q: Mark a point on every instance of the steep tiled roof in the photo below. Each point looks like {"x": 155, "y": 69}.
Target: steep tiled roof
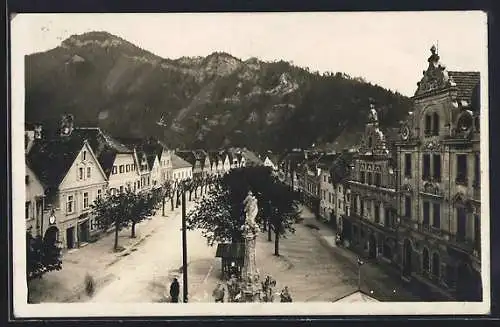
{"x": 187, "y": 155}
{"x": 51, "y": 159}
{"x": 104, "y": 146}
{"x": 251, "y": 157}
{"x": 340, "y": 169}
{"x": 466, "y": 81}
{"x": 178, "y": 162}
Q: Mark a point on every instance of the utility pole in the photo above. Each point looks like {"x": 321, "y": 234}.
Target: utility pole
{"x": 360, "y": 263}
{"x": 184, "y": 249}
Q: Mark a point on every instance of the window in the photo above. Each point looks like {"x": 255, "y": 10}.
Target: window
{"x": 362, "y": 207}
{"x": 435, "y": 124}
{"x": 461, "y": 223}
{"x": 436, "y": 158}
{"x": 370, "y": 142}
{"x": 114, "y": 170}
{"x": 477, "y": 171}
{"x": 70, "y": 204}
{"x": 408, "y": 165}
{"x": 407, "y": 206}
{"x": 436, "y": 215}
{"x": 426, "y": 173}
{"x": 84, "y": 155}
{"x": 428, "y": 124}
{"x": 369, "y": 178}
{"x": 28, "y": 210}
{"x": 149, "y": 181}
{"x": 477, "y": 232}
{"x": 461, "y": 169}
{"x": 387, "y": 217}
{"x": 340, "y": 204}
{"x": 476, "y": 123}
{"x": 94, "y": 224}
{"x": 127, "y": 168}
{"x": 426, "y": 213}
{"x": 355, "y": 204}
{"x": 99, "y": 194}
{"x": 133, "y": 167}
{"x": 121, "y": 189}
{"x": 378, "y": 179}
{"x": 435, "y": 265}
{"x": 80, "y": 173}
{"x": 362, "y": 177}
{"x": 85, "y": 200}
{"x": 377, "y": 213}
{"x": 425, "y": 260}
{"x": 340, "y": 189}
{"x": 122, "y": 169}
{"x": 26, "y": 179}
{"x": 88, "y": 172}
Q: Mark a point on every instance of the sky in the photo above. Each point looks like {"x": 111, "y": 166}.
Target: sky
{"x": 389, "y": 49}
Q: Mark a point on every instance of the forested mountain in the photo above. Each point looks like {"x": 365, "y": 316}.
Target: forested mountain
{"x": 207, "y": 102}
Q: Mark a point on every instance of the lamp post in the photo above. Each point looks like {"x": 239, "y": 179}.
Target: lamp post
{"x": 184, "y": 247}
{"x": 360, "y": 263}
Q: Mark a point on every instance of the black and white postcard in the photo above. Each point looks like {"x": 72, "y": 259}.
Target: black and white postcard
{"x": 250, "y": 164}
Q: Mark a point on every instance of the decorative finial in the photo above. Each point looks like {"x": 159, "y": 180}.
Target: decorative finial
{"x": 433, "y": 49}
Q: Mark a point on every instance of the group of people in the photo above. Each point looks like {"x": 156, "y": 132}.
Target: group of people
{"x": 234, "y": 291}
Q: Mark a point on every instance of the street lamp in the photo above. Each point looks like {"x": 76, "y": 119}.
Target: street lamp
{"x": 360, "y": 263}
{"x": 184, "y": 247}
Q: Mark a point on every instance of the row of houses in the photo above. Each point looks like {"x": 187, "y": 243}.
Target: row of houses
{"x": 409, "y": 199}
{"x": 67, "y": 171}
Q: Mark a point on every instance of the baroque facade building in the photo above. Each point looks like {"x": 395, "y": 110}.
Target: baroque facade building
{"x": 439, "y": 199}
{"x": 369, "y": 228}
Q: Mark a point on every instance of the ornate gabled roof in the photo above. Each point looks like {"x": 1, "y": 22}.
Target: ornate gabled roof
{"x": 435, "y": 77}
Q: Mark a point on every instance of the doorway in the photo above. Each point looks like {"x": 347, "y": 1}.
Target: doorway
{"x": 407, "y": 250}
{"x": 84, "y": 232}
{"x": 70, "y": 237}
{"x": 372, "y": 247}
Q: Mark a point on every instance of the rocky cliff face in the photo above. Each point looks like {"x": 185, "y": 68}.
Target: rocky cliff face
{"x": 202, "y": 101}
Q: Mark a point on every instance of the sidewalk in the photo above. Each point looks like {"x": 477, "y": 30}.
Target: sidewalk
{"x": 95, "y": 259}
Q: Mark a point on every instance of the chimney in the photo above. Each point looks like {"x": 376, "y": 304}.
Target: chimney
{"x": 31, "y": 135}
{"x": 67, "y": 125}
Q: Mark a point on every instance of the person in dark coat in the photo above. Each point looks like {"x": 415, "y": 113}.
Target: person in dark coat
{"x": 174, "y": 291}
{"x": 285, "y": 295}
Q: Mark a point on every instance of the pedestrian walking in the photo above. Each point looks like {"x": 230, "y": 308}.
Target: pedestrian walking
{"x": 174, "y": 291}
{"x": 285, "y": 295}
{"x": 219, "y": 293}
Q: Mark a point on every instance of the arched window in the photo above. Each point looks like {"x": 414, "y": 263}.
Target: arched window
{"x": 425, "y": 260}
{"x": 370, "y": 142}
{"x": 435, "y": 264}
{"x": 428, "y": 126}
{"x": 435, "y": 124}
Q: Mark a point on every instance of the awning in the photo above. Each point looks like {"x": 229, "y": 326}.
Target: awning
{"x": 230, "y": 251}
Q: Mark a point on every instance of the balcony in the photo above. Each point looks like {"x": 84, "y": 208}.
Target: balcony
{"x": 430, "y": 230}
{"x": 460, "y": 242}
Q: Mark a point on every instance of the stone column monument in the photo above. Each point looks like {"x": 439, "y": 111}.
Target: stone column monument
{"x": 250, "y": 277}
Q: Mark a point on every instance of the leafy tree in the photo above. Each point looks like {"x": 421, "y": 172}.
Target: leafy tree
{"x": 168, "y": 193}
{"x": 42, "y": 255}
{"x": 221, "y": 215}
{"x": 123, "y": 209}
{"x": 142, "y": 206}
